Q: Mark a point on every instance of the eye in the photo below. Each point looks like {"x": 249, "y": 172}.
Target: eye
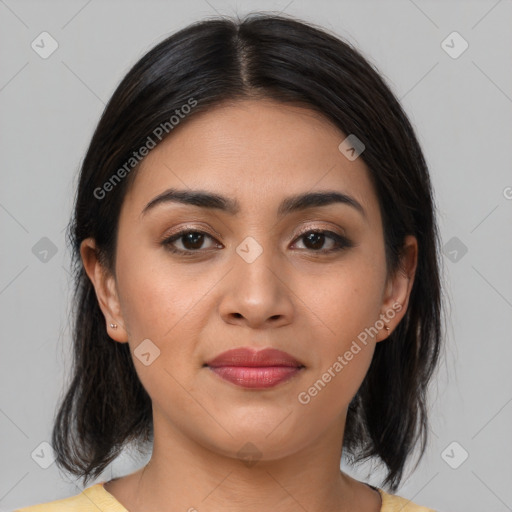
{"x": 314, "y": 240}
{"x": 191, "y": 241}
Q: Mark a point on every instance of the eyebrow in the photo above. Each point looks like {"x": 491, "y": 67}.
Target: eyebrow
{"x": 231, "y": 206}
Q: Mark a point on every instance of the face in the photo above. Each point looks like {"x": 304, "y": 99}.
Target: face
{"x": 196, "y": 281}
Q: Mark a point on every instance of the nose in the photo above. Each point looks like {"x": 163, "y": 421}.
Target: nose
{"x": 256, "y": 293}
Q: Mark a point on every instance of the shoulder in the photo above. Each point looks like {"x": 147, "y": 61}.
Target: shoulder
{"x": 92, "y": 499}
{"x": 392, "y": 503}
{"x": 96, "y": 497}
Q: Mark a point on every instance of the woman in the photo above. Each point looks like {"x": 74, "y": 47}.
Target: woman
{"x": 257, "y": 279}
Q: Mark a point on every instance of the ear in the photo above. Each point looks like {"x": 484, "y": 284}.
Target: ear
{"x": 106, "y": 290}
{"x": 398, "y": 288}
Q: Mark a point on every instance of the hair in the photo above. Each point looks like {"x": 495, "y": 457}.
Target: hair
{"x": 222, "y": 59}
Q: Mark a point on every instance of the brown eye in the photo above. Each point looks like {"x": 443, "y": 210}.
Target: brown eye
{"x": 191, "y": 241}
{"x": 315, "y": 239}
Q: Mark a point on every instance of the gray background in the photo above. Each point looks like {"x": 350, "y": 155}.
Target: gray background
{"x": 461, "y": 108}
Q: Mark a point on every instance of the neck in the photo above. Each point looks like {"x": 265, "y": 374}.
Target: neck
{"x": 185, "y": 475}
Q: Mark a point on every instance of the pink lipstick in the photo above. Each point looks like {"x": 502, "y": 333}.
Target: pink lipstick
{"x": 249, "y": 368}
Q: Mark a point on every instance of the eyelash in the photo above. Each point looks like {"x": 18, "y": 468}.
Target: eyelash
{"x": 341, "y": 241}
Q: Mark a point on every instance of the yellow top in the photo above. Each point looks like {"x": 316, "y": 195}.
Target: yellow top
{"x": 95, "y": 498}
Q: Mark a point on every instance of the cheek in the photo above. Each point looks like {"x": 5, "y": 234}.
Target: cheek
{"x": 155, "y": 295}
{"x": 168, "y": 305}
{"x": 330, "y": 390}
{"x": 345, "y": 309}
{"x": 344, "y": 348}
{"x": 345, "y": 301}
{"x": 155, "y": 308}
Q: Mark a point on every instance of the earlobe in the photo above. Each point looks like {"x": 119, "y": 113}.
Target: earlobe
{"x": 398, "y": 288}
{"x": 106, "y": 291}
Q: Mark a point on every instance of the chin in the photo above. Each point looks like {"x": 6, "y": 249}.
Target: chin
{"x": 267, "y": 440}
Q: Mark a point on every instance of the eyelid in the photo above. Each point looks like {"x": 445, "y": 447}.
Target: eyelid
{"x": 197, "y": 228}
{"x": 342, "y": 241}
{"x": 208, "y": 231}
{"x": 331, "y": 227}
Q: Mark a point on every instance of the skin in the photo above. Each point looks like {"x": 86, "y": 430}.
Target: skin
{"x": 292, "y": 297}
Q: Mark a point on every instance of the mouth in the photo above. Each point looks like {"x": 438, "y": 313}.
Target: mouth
{"x": 252, "y": 369}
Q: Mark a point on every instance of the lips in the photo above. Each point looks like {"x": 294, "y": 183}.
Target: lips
{"x": 255, "y": 369}
{"x": 253, "y": 358}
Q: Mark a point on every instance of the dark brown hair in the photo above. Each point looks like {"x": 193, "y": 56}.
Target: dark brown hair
{"x": 288, "y": 60}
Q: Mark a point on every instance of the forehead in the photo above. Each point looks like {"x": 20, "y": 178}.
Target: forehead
{"x": 256, "y": 151}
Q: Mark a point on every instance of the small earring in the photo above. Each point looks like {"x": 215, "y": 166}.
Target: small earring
{"x": 386, "y": 327}
{"x": 114, "y": 326}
